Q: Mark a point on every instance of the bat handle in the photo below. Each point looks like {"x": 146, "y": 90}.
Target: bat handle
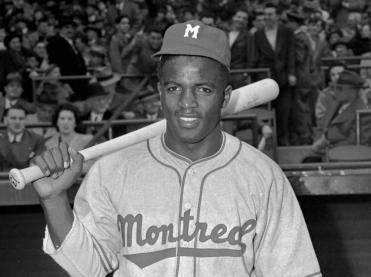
{"x": 20, "y": 177}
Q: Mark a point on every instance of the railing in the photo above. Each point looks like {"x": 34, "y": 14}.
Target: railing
{"x": 140, "y": 121}
{"x": 359, "y": 114}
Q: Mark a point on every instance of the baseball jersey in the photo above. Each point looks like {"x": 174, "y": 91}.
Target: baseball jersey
{"x": 147, "y": 211}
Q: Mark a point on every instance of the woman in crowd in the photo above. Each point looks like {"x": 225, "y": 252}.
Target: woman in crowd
{"x": 67, "y": 122}
{"x": 42, "y": 55}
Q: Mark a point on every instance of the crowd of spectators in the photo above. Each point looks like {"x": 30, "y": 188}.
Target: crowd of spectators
{"x": 71, "y": 55}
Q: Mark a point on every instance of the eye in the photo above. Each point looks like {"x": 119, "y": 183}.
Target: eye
{"x": 173, "y": 89}
{"x": 204, "y": 90}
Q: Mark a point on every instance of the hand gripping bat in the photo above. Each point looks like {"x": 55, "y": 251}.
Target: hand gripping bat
{"x": 243, "y": 98}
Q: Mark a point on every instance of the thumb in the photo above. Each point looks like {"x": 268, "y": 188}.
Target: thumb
{"x": 77, "y": 161}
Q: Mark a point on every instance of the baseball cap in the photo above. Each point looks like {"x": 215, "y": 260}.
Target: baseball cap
{"x": 194, "y": 38}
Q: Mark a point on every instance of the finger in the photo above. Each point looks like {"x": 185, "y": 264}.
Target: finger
{"x": 58, "y": 159}
{"x": 65, "y": 154}
{"x": 40, "y": 162}
{"x": 48, "y": 158}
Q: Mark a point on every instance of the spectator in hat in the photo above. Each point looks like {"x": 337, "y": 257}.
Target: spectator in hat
{"x": 17, "y": 144}
{"x": 106, "y": 78}
{"x": 304, "y": 92}
{"x": 63, "y": 53}
{"x": 341, "y": 129}
{"x": 100, "y": 106}
{"x": 326, "y": 101}
{"x": 13, "y": 91}
{"x": 118, "y": 42}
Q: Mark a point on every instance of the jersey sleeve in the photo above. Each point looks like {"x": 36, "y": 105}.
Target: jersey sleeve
{"x": 92, "y": 245}
{"x": 282, "y": 243}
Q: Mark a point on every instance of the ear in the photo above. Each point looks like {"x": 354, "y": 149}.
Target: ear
{"x": 227, "y": 95}
{"x": 159, "y": 89}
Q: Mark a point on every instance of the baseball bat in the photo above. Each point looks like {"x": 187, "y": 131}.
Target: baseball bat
{"x": 243, "y": 98}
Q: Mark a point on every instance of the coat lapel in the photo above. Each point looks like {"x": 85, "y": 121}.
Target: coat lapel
{"x": 279, "y": 39}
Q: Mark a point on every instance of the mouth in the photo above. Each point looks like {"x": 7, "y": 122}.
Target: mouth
{"x": 189, "y": 121}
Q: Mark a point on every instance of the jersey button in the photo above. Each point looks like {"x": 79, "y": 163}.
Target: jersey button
{"x": 192, "y": 172}
{"x": 187, "y": 206}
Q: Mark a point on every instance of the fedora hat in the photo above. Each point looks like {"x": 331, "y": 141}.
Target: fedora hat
{"x": 349, "y": 78}
{"x": 297, "y": 17}
{"x": 105, "y": 76}
{"x": 96, "y": 89}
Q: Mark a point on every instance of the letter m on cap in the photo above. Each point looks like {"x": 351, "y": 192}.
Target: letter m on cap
{"x": 193, "y": 30}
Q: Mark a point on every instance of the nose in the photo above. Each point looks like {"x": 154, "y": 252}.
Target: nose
{"x": 188, "y": 99}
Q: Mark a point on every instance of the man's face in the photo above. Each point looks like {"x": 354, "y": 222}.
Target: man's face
{"x": 100, "y": 103}
{"x": 155, "y": 40}
{"x": 334, "y": 38}
{"x": 335, "y": 72}
{"x": 259, "y": 21}
{"x": 208, "y": 21}
{"x": 15, "y": 44}
{"x": 13, "y": 90}
{"x": 15, "y": 121}
{"x": 240, "y": 20}
{"x": 32, "y": 62}
{"x": 341, "y": 50}
{"x": 124, "y": 26}
{"x": 68, "y": 31}
{"x": 270, "y": 17}
{"x": 40, "y": 49}
{"x": 193, "y": 91}
{"x": 345, "y": 93}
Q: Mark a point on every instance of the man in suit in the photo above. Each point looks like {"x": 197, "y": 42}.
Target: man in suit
{"x": 342, "y": 127}
{"x": 100, "y": 106}
{"x": 274, "y": 48}
{"x": 13, "y": 91}
{"x": 18, "y": 145}
{"x": 240, "y": 42}
{"x": 66, "y": 56}
{"x": 304, "y": 93}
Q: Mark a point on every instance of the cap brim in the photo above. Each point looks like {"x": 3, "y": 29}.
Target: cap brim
{"x": 195, "y": 52}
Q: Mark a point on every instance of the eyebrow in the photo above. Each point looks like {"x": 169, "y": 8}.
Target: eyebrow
{"x": 200, "y": 83}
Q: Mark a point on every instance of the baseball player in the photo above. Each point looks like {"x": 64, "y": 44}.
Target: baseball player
{"x": 194, "y": 201}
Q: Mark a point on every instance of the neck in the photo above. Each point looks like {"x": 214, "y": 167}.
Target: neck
{"x": 15, "y": 134}
{"x": 199, "y": 150}
{"x": 10, "y": 98}
{"x": 66, "y": 137}
{"x": 271, "y": 27}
